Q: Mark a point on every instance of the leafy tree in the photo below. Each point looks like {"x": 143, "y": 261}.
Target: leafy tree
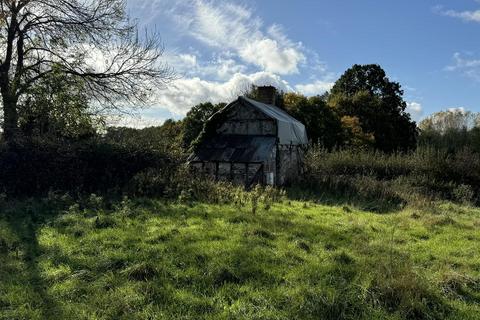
{"x": 353, "y": 135}
{"x": 450, "y": 120}
{"x": 451, "y": 130}
{"x": 58, "y": 106}
{"x": 166, "y": 138}
{"x": 91, "y": 40}
{"x": 365, "y": 92}
{"x": 195, "y": 120}
{"x": 322, "y": 124}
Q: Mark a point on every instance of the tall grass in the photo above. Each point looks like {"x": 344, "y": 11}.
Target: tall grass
{"x": 400, "y": 178}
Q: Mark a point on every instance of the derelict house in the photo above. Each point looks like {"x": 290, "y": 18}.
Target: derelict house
{"x": 252, "y": 142}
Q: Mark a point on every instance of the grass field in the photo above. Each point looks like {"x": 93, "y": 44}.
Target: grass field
{"x": 147, "y": 259}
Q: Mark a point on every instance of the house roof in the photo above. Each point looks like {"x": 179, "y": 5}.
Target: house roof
{"x": 235, "y": 148}
{"x": 290, "y": 130}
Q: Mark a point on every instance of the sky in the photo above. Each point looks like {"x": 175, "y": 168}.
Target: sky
{"x": 218, "y": 48}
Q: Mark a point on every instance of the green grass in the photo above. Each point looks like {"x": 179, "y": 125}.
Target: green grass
{"x": 147, "y": 259}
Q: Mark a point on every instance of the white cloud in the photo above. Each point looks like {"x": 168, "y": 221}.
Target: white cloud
{"x": 317, "y": 87}
{"x": 220, "y": 67}
{"x": 415, "y": 109}
{"x": 468, "y": 16}
{"x": 268, "y": 54}
{"x": 467, "y": 65}
{"x": 182, "y": 63}
{"x": 237, "y": 50}
{"x": 461, "y": 62}
{"x": 188, "y": 59}
{"x": 234, "y": 27}
{"x": 225, "y": 68}
{"x": 183, "y": 94}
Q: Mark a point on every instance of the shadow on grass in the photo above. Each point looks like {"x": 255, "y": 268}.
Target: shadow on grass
{"x": 24, "y": 221}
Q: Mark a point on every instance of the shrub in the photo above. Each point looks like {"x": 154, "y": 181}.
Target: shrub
{"x": 150, "y": 182}
{"x": 36, "y": 167}
{"x": 203, "y": 189}
{"x": 398, "y": 178}
{"x": 463, "y": 194}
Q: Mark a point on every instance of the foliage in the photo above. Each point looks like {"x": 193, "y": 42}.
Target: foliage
{"x": 201, "y": 189}
{"x": 94, "y": 41}
{"x": 147, "y": 259}
{"x": 353, "y": 135}
{"x": 365, "y": 92}
{"x": 36, "y": 167}
{"x": 166, "y": 138}
{"x": 196, "y": 119}
{"x": 321, "y": 122}
{"x": 451, "y": 130}
{"x": 58, "y": 106}
{"x": 394, "y": 179}
{"x": 456, "y": 119}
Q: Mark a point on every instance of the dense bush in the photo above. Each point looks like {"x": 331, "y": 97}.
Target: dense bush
{"x": 106, "y": 167}
{"x": 36, "y": 167}
{"x": 426, "y": 174}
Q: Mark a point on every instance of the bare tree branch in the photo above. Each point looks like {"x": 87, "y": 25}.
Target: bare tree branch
{"x": 90, "y": 39}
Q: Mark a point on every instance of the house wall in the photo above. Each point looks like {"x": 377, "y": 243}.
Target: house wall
{"x": 289, "y": 163}
{"x": 270, "y": 168}
{"x": 246, "y": 120}
{"x": 238, "y": 173}
{"x": 252, "y": 170}
{"x": 224, "y": 171}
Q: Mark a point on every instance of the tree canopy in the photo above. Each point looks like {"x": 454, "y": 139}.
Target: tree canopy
{"x": 321, "y": 122}
{"x": 451, "y": 130}
{"x": 195, "y": 120}
{"x": 93, "y": 40}
{"x": 58, "y": 107}
{"x": 366, "y": 93}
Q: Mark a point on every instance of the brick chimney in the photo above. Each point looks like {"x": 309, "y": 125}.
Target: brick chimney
{"x": 267, "y": 94}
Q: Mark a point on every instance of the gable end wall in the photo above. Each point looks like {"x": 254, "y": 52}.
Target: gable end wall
{"x": 246, "y": 120}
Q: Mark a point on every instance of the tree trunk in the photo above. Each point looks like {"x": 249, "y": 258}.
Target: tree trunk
{"x": 10, "y": 118}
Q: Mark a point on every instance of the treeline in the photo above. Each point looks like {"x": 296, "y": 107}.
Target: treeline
{"x": 55, "y": 137}
{"x": 363, "y": 145}
{"x": 452, "y": 131}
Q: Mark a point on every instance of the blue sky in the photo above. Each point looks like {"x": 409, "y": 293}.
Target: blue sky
{"x": 219, "y": 47}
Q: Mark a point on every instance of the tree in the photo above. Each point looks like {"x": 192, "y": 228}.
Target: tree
{"x": 451, "y": 130}
{"x": 444, "y": 121}
{"x": 322, "y": 124}
{"x": 91, "y": 40}
{"x": 58, "y": 106}
{"x": 195, "y": 120}
{"x": 165, "y": 138}
{"x": 365, "y": 92}
{"x": 353, "y": 135}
